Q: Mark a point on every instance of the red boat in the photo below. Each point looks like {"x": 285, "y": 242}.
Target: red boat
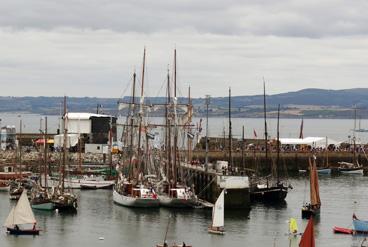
{"x": 342, "y": 230}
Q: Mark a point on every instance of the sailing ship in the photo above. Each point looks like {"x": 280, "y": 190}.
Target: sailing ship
{"x": 133, "y": 189}
{"x": 217, "y": 226}
{"x": 351, "y": 167}
{"x": 173, "y": 193}
{"x": 40, "y": 196}
{"x": 325, "y": 170}
{"x": 64, "y": 201}
{"x": 307, "y": 239}
{"x": 20, "y": 217}
{"x": 312, "y": 208}
{"x": 270, "y": 190}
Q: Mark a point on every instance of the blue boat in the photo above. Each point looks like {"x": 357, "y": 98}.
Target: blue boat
{"x": 360, "y": 225}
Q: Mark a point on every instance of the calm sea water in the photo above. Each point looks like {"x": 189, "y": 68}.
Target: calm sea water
{"x": 337, "y": 129}
{"x": 261, "y": 226}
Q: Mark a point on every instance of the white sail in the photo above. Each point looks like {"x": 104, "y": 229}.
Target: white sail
{"x": 22, "y": 213}
{"x": 218, "y": 211}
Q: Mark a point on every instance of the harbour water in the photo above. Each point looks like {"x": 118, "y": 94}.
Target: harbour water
{"x": 336, "y": 129}
{"x": 261, "y": 226}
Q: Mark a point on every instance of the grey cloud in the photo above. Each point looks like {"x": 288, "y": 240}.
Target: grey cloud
{"x": 299, "y": 18}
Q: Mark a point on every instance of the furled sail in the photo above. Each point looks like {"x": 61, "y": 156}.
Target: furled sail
{"x": 22, "y": 213}
{"x": 314, "y": 186}
{"x": 218, "y": 211}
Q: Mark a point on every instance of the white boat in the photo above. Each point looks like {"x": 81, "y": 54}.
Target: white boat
{"x": 350, "y": 168}
{"x": 178, "y": 198}
{"x": 96, "y": 182}
{"x": 20, "y": 217}
{"x": 126, "y": 195}
{"x": 217, "y": 226}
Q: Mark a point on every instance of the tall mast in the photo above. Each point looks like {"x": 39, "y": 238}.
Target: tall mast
{"x": 20, "y": 147}
{"x": 278, "y": 145}
{"x": 64, "y": 147}
{"x": 265, "y": 119}
{"x": 189, "y": 144}
{"x": 45, "y": 153}
{"x": 230, "y": 134}
{"x": 207, "y": 103}
{"x": 141, "y": 110}
{"x": 354, "y": 143}
{"x": 242, "y": 149}
{"x": 131, "y": 127}
{"x": 168, "y": 129}
{"x": 176, "y": 127}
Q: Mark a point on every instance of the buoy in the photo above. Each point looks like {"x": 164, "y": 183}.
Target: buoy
{"x": 57, "y": 210}
{"x": 101, "y": 238}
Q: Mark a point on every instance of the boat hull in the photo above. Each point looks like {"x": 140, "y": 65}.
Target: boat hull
{"x": 128, "y": 201}
{"x": 95, "y": 187}
{"x": 352, "y": 171}
{"x": 308, "y": 212}
{"x": 48, "y": 206}
{"x": 216, "y": 231}
{"x": 272, "y": 194}
{"x": 166, "y": 201}
{"x": 13, "y": 231}
{"x": 4, "y": 188}
{"x": 360, "y": 226}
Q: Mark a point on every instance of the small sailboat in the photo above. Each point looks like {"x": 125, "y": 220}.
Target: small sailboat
{"x": 20, "y": 217}
{"x": 217, "y": 226}
{"x": 307, "y": 239}
{"x": 312, "y": 208}
{"x": 165, "y": 244}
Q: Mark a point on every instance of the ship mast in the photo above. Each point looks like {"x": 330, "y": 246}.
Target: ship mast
{"x": 132, "y": 112}
{"x": 175, "y": 175}
{"x": 64, "y": 148}
{"x": 230, "y": 134}
{"x": 278, "y": 145}
{"x": 141, "y": 111}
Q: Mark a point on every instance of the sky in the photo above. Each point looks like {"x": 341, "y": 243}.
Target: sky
{"x": 92, "y": 47}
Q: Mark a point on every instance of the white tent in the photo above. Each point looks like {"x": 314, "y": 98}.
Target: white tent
{"x": 316, "y": 142}
{"x": 72, "y": 140}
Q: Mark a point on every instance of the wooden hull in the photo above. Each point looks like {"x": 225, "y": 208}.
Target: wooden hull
{"x": 47, "y": 206}
{"x": 271, "y": 194}
{"x": 13, "y": 231}
{"x": 129, "y": 201}
{"x": 352, "y": 171}
{"x": 309, "y": 212}
{"x": 216, "y": 231}
{"x": 166, "y": 201}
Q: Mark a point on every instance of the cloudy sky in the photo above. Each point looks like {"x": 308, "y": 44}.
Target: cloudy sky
{"x": 92, "y": 47}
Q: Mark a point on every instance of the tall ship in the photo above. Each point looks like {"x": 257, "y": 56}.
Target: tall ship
{"x": 173, "y": 190}
{"x": 133, "y": 187}
{"x": 270, "y": 189}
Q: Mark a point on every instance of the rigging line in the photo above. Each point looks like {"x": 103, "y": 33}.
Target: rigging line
{"x": 126, "y": 88}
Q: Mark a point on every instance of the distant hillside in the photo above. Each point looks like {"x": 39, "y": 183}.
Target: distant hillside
{"x": 312, "y": 103}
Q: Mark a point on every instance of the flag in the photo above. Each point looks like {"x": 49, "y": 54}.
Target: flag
{"x": 301, "y": 129}
{"x": 308, "y": 235}
{"x": 254, "y": 133}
